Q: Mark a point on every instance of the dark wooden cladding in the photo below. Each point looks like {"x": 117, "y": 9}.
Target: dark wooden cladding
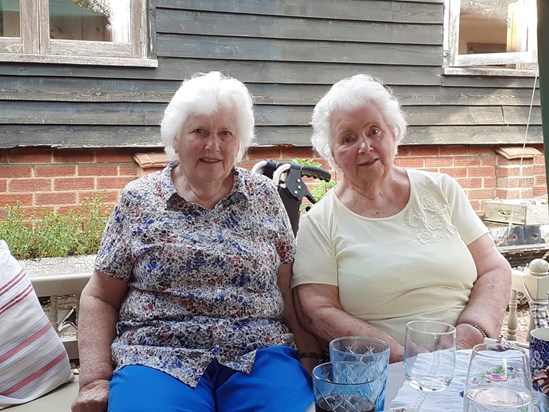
{"x": 289, "y": 53}
{"x": 232, "y": 48}
{"x": 277, "y": 27}
{"x": 63, "y": 136}
{"x": 369, "y": 10}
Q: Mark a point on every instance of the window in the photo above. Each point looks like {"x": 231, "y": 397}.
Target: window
{"x": 495, "y": 34}
{"x": 112, "y": 32}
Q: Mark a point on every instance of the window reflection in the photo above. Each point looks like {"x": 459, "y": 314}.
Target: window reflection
{"x": 493, "y": 26}
{"x": 9, "y": 18}
{"x": 94, "y": 20}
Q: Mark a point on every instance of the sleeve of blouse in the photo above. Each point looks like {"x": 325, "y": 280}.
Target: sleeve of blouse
{"x": 315, "y": 260}
{"x": 468, "y": 223}
{"x": 114, "y": 254}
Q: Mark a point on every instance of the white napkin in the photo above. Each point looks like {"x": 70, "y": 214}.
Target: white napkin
{"x": 450, "y": 399}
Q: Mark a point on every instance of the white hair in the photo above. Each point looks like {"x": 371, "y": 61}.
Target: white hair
{"x": 203, "y": 94}
{"x": 349, "y": 93}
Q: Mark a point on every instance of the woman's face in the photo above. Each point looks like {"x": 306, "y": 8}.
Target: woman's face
{"x": 207, "y": 146}
{"x": 362, "y": 144}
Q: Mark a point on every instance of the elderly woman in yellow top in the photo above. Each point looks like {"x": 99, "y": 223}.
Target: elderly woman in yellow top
{"x": 189, "y": 307}
{"x": 388, "y": 244}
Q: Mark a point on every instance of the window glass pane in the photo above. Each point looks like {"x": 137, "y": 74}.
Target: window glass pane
{"x": 493, "y": 26}
{"x": 9, "y": 18}
{"x": 95, "y": 20}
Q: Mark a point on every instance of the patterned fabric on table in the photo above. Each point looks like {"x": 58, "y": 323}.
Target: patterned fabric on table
{"x": 203, "y": 283}
{"x": 539, "y": 313}
{"x": 33, "y": 360}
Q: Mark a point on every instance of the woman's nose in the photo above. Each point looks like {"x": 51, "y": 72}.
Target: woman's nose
{"x": 212, "y": 143}
{"x": 365, "y": 145}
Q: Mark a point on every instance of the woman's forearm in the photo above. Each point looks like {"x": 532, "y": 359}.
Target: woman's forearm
{"x": 96, "y": 331}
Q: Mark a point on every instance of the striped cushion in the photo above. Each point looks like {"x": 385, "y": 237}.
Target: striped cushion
{"x": 33, "y": 360}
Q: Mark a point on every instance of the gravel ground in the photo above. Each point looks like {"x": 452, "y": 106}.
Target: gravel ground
{"x": 59, "y": 266}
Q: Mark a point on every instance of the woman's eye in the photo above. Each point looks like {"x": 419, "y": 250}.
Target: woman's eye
{"x": 200, "y": 132}
{"x": 226, "y": 133}
{"x": 375, "y": 132}
{"x": 348, "y": 139}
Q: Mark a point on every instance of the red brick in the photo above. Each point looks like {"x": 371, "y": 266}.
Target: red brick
{"x": 130, "y": 170}
{"x": 511, "y": 182}
{"x": 425, "y": 151}
{"x": 489, "y": 182}
{"x": 106, "y": 196}
{"x": 466, "y": 161}
{"x": 55, "y": 170}
{"x": 454, "y": 171}
{"x": 113, "y": 182}
{"x": 488, "y": 160}
{"x": 74, "y": 183}
{"x": 14, "y": 171}
{"x": 3, "y": 185}
{"x": 260, "y": 153}
{"x": 74, "y": 156}
{"x": 24, "y": 199}
{"x": 32, "y": 156}
{"x": 109, "y": 156}
{"x": 439, "y": 162}
{"x": 298, "y": 153}
{"x": 539, "y": 191}
{"x": 471, "y": 183}
{"x": 481, "y": 194}
{"x": 412, "y": 162}
{"x": 55, "y": 198}
{"x": 513, "y": 171}
{"x": 29, "y": 185}
{"x": 454, "y": 150}
{"x": 480, "y": 171}
{"x": 95, "y": 169}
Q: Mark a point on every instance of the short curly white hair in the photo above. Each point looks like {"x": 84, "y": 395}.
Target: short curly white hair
{"x": 349, "y": 93}
{"x": 203, "y": 94}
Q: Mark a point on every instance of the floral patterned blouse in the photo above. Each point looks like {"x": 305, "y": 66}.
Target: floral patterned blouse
{"x": 202, "y": 283}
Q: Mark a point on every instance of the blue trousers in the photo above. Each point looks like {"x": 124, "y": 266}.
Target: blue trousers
{"x": 277, "y": 382}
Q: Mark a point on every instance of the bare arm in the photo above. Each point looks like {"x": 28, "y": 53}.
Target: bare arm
{"x": 324, "y": 317}
{"x": 304, "y": 340}
{"x": 99, "y": 306}
{"x": 489, "y": 296}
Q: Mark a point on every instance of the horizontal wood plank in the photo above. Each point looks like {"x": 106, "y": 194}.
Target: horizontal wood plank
{"x": 247, "y": 71}
{"x": 270, "y": 27}
{"x": 149, "y": 137}
{"x": 150, "y": 114}
{"x": 232, "y": 48}
{"x": 61, "y": 89}
{"x": 416, "y": 12}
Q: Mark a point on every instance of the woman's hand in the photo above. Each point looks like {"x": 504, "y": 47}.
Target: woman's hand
{"x": 93, "y": 397}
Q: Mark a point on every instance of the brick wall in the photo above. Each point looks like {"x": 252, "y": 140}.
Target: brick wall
{"x": 43, "y": 178}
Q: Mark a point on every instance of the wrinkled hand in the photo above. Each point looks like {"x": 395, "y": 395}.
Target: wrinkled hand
{"x": 93, "y": 397}
{"x": 467, "y": 337}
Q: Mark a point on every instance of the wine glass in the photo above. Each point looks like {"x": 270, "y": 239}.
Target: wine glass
{"x": 429, "y": 354}
{"x": 498, "y": 379}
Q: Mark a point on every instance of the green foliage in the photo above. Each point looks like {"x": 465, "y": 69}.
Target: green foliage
{"x": 53, "y": 234}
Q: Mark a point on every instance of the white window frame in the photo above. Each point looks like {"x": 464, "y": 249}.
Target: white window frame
{"x": 475, "y": 64}
{"x": 35, "y": 45}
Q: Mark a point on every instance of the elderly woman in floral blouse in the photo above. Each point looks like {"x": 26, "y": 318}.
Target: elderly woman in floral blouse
{"x": 189, "y": 307}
